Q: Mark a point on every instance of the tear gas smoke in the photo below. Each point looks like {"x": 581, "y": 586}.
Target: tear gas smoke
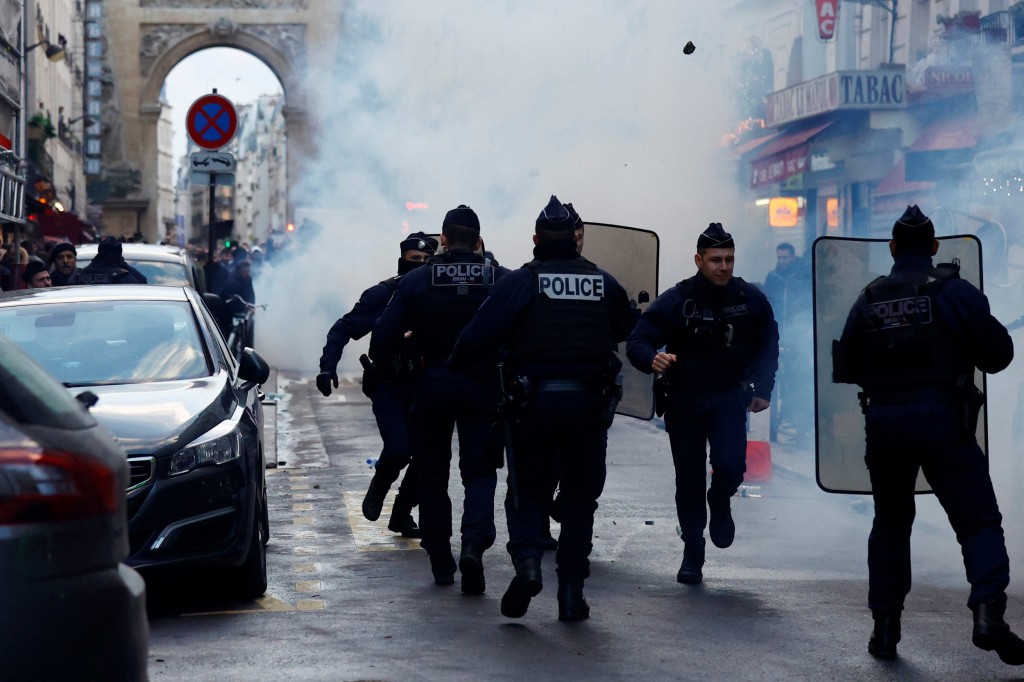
{"x": 498, "y": 107}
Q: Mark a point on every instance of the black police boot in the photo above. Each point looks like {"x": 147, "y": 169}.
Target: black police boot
{"x": 374, "y": 500}
{"x": 885, "y": 636}
{"x": 571, "y": 604}
{"x": 471, "y": 565}
{"x": 401, "y": 520}
{"x": 526, "y": 584}
{"x": 442, "y": 565}
{"x": 547, "y": 541}
{"x": 690, "y": 571}
{"x": 404, "y": 525}
{"x": 992, "y": 633}
{"x": 721, "y": 527}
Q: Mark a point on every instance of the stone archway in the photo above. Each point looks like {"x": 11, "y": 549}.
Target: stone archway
{"x": 145, "y": 39}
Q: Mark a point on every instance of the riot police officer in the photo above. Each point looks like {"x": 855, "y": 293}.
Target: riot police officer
{"x": 109, "y": 266}
{"x": 556, "y": 319}
{"x": 434, "y": 303}
{"x": 912, "y": 342}
{"x": 721, "y": 354}
{"x": 389, "y": 387}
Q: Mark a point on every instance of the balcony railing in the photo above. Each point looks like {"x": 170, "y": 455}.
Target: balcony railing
{"x": 959, "y": 43}
{"x": 12, "y": 196}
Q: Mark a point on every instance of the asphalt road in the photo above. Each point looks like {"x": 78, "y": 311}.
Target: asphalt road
{"x": 350, "y": 601}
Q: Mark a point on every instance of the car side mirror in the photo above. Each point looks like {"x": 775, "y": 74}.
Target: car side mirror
{"x": 213, "y": 302}
{"x": 252, "y": 368}
{"x": 88, "y": 399}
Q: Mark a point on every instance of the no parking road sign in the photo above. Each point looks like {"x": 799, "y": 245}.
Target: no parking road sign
{"x": 211, "y": 121}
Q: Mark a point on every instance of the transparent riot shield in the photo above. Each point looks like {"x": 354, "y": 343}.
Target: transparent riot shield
{"x": 631, "y": 256}
{"x": 842, "y": 268}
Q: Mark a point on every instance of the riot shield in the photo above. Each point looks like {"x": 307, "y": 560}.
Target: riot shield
{"x": 842, "y": 268}
{"x": 630, "y": 255}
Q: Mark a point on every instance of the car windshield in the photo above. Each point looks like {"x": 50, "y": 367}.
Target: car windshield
{"x": 156, "y": 272}
{"x": 109, "y": 342}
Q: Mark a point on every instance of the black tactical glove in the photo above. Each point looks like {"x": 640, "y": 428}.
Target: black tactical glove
{"x": 324, "y": 381}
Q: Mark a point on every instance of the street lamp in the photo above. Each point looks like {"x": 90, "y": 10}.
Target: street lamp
{"x": 54, "y": 53}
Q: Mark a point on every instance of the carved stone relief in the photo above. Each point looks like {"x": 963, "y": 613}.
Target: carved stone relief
{"x": 288, "y": 39}
{"x": 156, "y": 38}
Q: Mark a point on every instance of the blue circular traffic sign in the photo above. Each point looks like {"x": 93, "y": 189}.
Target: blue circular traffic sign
{"x": 211, "y": 121}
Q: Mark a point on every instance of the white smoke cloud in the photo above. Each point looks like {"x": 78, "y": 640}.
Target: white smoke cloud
{"x": 499, "y": 105}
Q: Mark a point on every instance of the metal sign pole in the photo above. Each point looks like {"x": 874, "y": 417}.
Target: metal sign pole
{"x": 211, "y": 234}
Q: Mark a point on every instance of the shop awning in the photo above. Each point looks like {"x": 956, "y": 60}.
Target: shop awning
{"x": 784, "y": 157}
{"x": 64, "y": 226}
{"x": 750, "y": 145}
{"x": 943, "y": 150}
{"x": 953, "y": 133}
{"x": 896, "y": 183}
{"x": 788, "y": 141}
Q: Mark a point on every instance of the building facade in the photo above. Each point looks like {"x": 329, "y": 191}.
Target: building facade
{"x": 907, "y": 102}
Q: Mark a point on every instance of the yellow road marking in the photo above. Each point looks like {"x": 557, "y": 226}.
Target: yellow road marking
{"x": 308, "y": 586}
{"x": 302, "y": 506}
{"x": 305, "y": 568}
{"x": 302, "y": 521}
{"x": 306, "y": 550}
{"x": 299, "y": 484}
{"x": 374, "y": 536}
{"x": 267, "y": 602}
{"x": 309, "y": 605}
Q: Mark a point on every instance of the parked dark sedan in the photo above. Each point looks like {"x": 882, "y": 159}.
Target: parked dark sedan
{"x": 69, "y": 607}
{"x": 186, "y": 412}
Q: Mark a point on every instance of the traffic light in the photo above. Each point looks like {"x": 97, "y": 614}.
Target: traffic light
{"x": 290, "y": 227}
{"x": 227, "y": 243}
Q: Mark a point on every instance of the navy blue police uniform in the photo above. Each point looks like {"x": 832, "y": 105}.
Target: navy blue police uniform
{"x": 556, "y": 320}
{"x": 435, "y": 302}
{"x": 912, "y": 342}
{"x": 389, "y": 387}
{"x": 726, "y": 343}
{"x": 109, "y": 266}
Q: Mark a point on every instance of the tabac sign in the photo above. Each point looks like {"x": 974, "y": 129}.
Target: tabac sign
{"x": 883, "y": 89}
{"x": 827, "y": 11}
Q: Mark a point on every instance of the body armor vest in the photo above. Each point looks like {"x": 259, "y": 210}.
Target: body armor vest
{"x": 716, "y": 346}
{"x": 904, "y": 345}
{"x": 459, "y": 283}
{"x": 568, "y": 319}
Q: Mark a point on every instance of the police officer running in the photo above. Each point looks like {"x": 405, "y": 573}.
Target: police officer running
{"x": 389, "y": 387}
{"x": 556, "y": 319}
{"x": 434, "y": 303}
{"x": 721, "y": 354}
{"x": 916, "y": 367}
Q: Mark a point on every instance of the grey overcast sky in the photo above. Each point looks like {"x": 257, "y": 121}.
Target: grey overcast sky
{"x": 236, "y": 74}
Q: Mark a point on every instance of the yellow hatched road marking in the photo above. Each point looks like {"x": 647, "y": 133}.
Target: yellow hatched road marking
{"x": 374, "y": 536}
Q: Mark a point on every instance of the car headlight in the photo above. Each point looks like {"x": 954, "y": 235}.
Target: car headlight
{"x": 208, "y": 453}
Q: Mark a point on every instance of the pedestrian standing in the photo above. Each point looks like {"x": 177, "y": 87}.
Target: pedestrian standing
{"x": 721, "y": 354}
{"x": 389, "y": 386}
{"x": 788, "y": 288}
{"x": 555, "y": 320}
{"x": 916, "y": 366}
{"x": 434, "y": 303}
{"x": 36, "y": 276}
{"x": 64, "y": 268}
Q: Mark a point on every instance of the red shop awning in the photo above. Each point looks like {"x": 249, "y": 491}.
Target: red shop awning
{"x": 782, "y": 158}
{"x": 790, "y": 140}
